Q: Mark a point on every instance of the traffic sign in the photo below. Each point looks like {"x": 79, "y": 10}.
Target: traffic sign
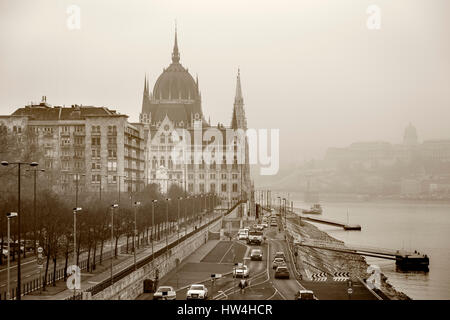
{"x": 350, "y": 290}
{"x": 40, "y": 250}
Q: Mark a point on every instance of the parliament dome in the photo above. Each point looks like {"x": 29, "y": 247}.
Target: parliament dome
{"x": 175, "y": 83}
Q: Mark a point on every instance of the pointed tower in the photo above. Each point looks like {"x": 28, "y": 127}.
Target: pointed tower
{"x": 175, "y": 52}
{"x": 238, "y": 120}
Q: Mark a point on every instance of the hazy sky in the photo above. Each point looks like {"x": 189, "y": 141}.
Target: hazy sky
{"x": 310, "y": 68}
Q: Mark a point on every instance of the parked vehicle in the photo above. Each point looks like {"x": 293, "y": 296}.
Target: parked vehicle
{"x": 282, "y": 272}
{"x": 165, "y": 293}
{"x": 256, "y": 254}
{"x": 197, "y": 291}
{"x": 305, "y": 295}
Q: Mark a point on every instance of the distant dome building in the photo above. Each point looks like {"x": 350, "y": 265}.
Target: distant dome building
{"x": 410, "y": 136}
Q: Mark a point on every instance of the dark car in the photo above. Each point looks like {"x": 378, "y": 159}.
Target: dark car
{"x": 256, "y": 254}
{"x": 282, "y": 272}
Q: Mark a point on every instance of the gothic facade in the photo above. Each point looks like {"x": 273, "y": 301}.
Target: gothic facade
{"x": 183, "y": 148}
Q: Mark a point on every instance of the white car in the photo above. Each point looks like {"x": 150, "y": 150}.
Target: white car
{"x": 197, "y": 291}
{"x": 243, "y": 236}
{"x": 265, "y": 224}
{"x": 241, "y": 271}
{"x": 165, "y": 293}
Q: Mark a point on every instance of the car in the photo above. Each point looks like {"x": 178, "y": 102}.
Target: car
{"x": 256, "y": 254}
{"x": 282, "y": 272}
{"x": 259, "y": 227}
{"x": 277, "y": 262}
{"x": 165, "y": 293}
{"x": 197, "y": 291}
{"x": 280, "y": 254}
{"x": 241, "y": 271}
{"x": 265, "y": 224}
{"x": 305, "y": 295}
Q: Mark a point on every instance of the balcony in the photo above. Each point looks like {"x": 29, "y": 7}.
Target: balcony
{"x": 65, "y": 134}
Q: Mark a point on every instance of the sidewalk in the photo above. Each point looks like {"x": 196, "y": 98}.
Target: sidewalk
{"x": 89, "y": 280}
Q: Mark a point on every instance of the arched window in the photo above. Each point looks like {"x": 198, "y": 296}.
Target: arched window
{"x": 162, "y": 138}
{"x": 170, "y": 162}
{"x": 154, "y": 162}
{"x": 162, "y": 161}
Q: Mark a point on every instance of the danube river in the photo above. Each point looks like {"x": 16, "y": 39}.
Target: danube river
{"x": 413, "y": 225}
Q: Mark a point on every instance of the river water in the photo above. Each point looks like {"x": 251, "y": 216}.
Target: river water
{"x": 411, "y": 225}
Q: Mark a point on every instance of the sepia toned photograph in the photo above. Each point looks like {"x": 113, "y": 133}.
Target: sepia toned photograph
{"x": 240, "y": 152}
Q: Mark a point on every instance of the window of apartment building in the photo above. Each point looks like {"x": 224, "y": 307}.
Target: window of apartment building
{"x": 95, "y": 178}
{"x": 65, "y": 165}
{"x": 191, "y": 187}
{"x": 201, "y": 176}
{"x": 49, "y": 152}
{"x": 48, "y": 164}
{"x": 224, "y": 187}
{"x": 112, "y": 179}
{"x": 65, "y": 141}
{"x": 134, "y": 166}
{"x": 202, "y": 187}
{"x": 112, "y": 140}
{"x": 190, "y": 176}
{"x": 170, "y": 163}
{"x": 224, "y": 176}
{"x": 79, "y": 140}
{"x": 154, "y": 162}
{"x": 66, "y": 153}
{"x": 202, "y": 165}
{"x": 112, "y": 166}
{"x": 112, "y": 129}
{"x": 212, "y": 175}
{"x": 65, "y": 129}
{"x": 95, "y": 141}
{"x": 235, "y": 187}
{"x": 212, "y": 187}
{"x": 95, "y": 129}
{"x": 79, "y": 129}
{"x": 162, "y": 161}
{"x": 79, "y": 165}
{"x": 235, "y": 176}
{"x": 213, "y": 166}
{"x": 95, "y": 153}
{"x": 112, "y": 153}
{"x": 96, "y": 165}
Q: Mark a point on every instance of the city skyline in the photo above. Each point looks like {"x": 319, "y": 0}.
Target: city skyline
{"x": 353, "y": 85}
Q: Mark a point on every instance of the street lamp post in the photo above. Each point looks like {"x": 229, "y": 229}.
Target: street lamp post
{"x": 113, "y": 206}
{"x": 153, "y": 228}
{"x": 136, "y": 204}
{"x": 75, "y": 210}
{"x": 284, "y": 209}
{"x": 178, "y": 220}
{"x": 34, "y": 208}
{"x": 9, "y": 216}
{"x": 18, "y": 163}
{"x": 167, "y": 224}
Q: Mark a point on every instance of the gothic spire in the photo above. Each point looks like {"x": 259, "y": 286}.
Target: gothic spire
{"x": 145, "y": 85}
{"x": 175, "y": 53}
{"x": 238, "y": 97}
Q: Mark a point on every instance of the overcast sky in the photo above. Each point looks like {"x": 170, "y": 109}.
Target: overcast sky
{"x": 310, "y": 68}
